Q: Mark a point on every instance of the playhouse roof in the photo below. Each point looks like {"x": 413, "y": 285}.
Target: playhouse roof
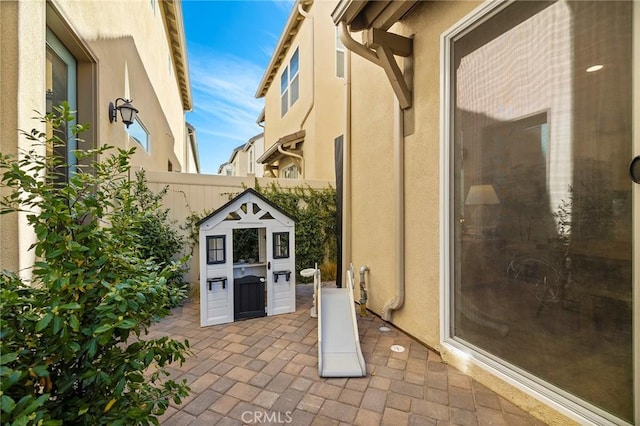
{"x": 245, "y": 194}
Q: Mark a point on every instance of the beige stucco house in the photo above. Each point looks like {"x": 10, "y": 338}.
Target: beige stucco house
{"x": 494, "y": 140}
{"x": 94, "y": 54}
{"x": 242, "y": 161}
{"x": 303, "y": 91}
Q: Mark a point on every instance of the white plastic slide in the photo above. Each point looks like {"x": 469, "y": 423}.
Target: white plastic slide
{"x": 339, "y": 352}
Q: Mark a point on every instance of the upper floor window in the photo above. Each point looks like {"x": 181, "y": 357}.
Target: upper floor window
{"x": 340, "y": 65}
{"x": 289, "y": 84}
{"x": 290, "y": 172}
{"x": 251, "y": 167}
{"x": 139, "y": 133}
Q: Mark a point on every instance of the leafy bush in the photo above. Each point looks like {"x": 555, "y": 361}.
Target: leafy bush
{"x": 72, "y": 347}
{"x": 157, "y": 236}
{"x": 245, "y": 244}
{"x": 316, "y": 222}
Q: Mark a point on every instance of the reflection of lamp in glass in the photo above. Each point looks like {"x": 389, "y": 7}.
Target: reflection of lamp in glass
{"x": 482, "y": 195}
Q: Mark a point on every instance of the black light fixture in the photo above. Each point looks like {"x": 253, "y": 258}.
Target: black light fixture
{"x": 127, "y": 111}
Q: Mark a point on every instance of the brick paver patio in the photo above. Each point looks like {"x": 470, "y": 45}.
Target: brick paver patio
{"x": 264, "y": 371}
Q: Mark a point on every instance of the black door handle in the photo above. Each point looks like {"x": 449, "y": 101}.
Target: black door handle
{"x": 268, "y": 266}
{"x": 634, "y": 169}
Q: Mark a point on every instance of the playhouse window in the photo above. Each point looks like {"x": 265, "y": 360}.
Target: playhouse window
{"x": 216, "y": 249}
{"x": 280, "y": 245}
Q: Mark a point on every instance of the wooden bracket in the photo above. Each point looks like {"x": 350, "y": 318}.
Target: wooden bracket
{"x": 399, "y": 45}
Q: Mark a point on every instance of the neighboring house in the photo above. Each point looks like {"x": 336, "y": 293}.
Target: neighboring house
{"x": 487, "y": 190}
{"x": 242, "y": 161}
{"x": 94, "y": 54}
{"x": 303, "y": 89}
{"x": 238, "y": 166}
{"x": 252, "y": 150}
{"x": 225, "y": 169}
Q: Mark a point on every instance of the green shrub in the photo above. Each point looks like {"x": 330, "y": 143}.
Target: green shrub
{"x": 72, "y": 348}
{"x": 157, "y": 236}
{"x": 316, "y": 222}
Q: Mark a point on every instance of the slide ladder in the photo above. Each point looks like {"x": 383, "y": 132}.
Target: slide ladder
{"x": 339, "y": 352}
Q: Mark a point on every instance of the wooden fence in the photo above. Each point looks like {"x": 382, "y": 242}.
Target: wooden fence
{"x": 196, "y": 193}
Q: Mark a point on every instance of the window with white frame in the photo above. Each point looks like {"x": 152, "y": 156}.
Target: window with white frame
{"x": 139, "y": 133}
{"x": 289, "y": 84}
{"x": 251, "y": 167}
{"x": 340, "y": 57}
{"x": 538, "y": 103}
{"x": 290, "y": 172}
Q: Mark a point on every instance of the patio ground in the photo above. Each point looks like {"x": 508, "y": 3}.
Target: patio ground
{"x": 264, "y": 371}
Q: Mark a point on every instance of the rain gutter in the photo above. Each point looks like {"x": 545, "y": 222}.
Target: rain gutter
{"x": 386, "y": 45}
{"x": 308, "y": 16}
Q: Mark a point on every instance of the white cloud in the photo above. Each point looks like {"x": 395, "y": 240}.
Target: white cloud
{"x": 225, "y": 107}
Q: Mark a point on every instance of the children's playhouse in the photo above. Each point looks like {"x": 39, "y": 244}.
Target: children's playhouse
{"x": 247, "y": 261}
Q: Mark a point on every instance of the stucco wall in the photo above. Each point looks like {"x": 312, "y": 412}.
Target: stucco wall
{"x": 130, "y": 44}
{"x": 9, "y": 241}
{"x": 320, "y": 108}
{"x": 22, "y": 94}
{"x": 328, "y": 114}
{"x": 201, "y": 194}
{"x": 122, "y": 51}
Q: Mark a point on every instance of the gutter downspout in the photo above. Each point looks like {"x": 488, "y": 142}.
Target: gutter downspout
{"x": 346, "y": 167}
{"x": 397, "y": 301}
{"x": 307, "y": 15}
{"x": 291, "y": 154}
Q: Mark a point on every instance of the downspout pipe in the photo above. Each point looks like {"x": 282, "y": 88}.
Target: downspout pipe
{"x": 291, "y": 154}
{"x": 397, "y": 301}
{"x": 356, "y": 47}
{"x": 346, "y": 167}
{"x": 308, "y": 16}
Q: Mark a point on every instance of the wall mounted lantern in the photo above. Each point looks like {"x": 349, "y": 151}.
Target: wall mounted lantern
{"x": 127, "y": 111}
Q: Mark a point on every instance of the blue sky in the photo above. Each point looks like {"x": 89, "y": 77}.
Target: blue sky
{"x": 229, "y": 45}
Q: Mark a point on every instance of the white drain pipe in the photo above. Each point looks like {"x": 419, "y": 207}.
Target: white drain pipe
{"x": 397, "y": 301}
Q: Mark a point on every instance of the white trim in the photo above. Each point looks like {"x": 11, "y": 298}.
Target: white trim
{"x": 139, "y": 123}
{"x": 571, "y": 406}
{"x": 636, "y": 204}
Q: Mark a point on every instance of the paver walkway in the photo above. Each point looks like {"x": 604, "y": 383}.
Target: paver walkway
{"x": 264, "y": 371}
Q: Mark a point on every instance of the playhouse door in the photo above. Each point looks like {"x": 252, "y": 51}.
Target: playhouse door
{"x": 281, "y": 271}
{"x": 216, "y": 278}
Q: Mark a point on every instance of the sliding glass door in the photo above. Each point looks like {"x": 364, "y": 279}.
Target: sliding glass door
{"x": 540, "y": 141}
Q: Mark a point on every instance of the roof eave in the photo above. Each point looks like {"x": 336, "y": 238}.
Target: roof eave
{"x": 289, "y": 32}
{"x": 347, "y": 10}
{"x": 365, "y": 14}
{"x": 172, "y": 16}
